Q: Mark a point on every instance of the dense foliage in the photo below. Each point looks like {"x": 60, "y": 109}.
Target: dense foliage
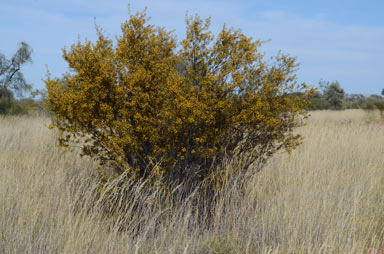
{"x": 13, "y": 85}
{"x": 332, "y": 96}
{"x": 9, "y": 105}
{"x": 11, "y": 77}
{"x": 147, "y": 107}
{"x": 6, "y": 100}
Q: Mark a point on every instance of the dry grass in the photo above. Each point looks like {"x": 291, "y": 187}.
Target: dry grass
{"x": 325, "y": 197}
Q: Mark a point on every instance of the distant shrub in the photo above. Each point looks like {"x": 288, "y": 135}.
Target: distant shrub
{"x": 317, "y": 104}
{"x": 146, "y": 109}
{"x": 25, "y": 106}
{"x": 11, "y": 106}
{"x": 380, "y": 106}
{"x": 334, "y": 94}
{"x": 6, "y": 101}
{"x": 371, "y": 104}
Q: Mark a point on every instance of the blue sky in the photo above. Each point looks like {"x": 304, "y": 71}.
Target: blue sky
{"x": 333, "y": 40}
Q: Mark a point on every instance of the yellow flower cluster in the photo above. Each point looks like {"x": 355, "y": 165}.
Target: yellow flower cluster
{"x": 151, "y": 108}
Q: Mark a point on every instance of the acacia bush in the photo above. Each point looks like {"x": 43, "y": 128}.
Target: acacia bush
{"x": 148, "y": 107}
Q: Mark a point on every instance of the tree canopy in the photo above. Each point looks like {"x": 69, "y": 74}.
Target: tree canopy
{"x": 334, "y": 94}
{"x": 11, "y": 77}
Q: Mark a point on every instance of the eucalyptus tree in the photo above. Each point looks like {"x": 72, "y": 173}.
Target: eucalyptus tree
{"x": 11, "y": 77}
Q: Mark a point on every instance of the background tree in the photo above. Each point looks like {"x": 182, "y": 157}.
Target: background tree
{"x": 317, "y": 102}
{"x": 11, "y": 77}
{"x": 145, "y": 109}
{"x": 334, "y": 94}
{"x": 380, "y": 105}
{"x": 331, "y": 99}
{"x": 12, "y": 83}
{"x": 6, "y": 101}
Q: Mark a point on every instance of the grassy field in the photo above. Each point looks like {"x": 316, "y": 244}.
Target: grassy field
{"x": 324, "y": 197}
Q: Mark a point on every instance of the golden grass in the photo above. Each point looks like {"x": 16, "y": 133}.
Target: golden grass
{"x": 324, "y": 197}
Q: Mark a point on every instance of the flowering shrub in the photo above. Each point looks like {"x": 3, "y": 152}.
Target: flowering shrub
{"x": 147, "y": 107}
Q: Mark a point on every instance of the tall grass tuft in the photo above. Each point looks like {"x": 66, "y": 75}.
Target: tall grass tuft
{"x": 324, "y": 197}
